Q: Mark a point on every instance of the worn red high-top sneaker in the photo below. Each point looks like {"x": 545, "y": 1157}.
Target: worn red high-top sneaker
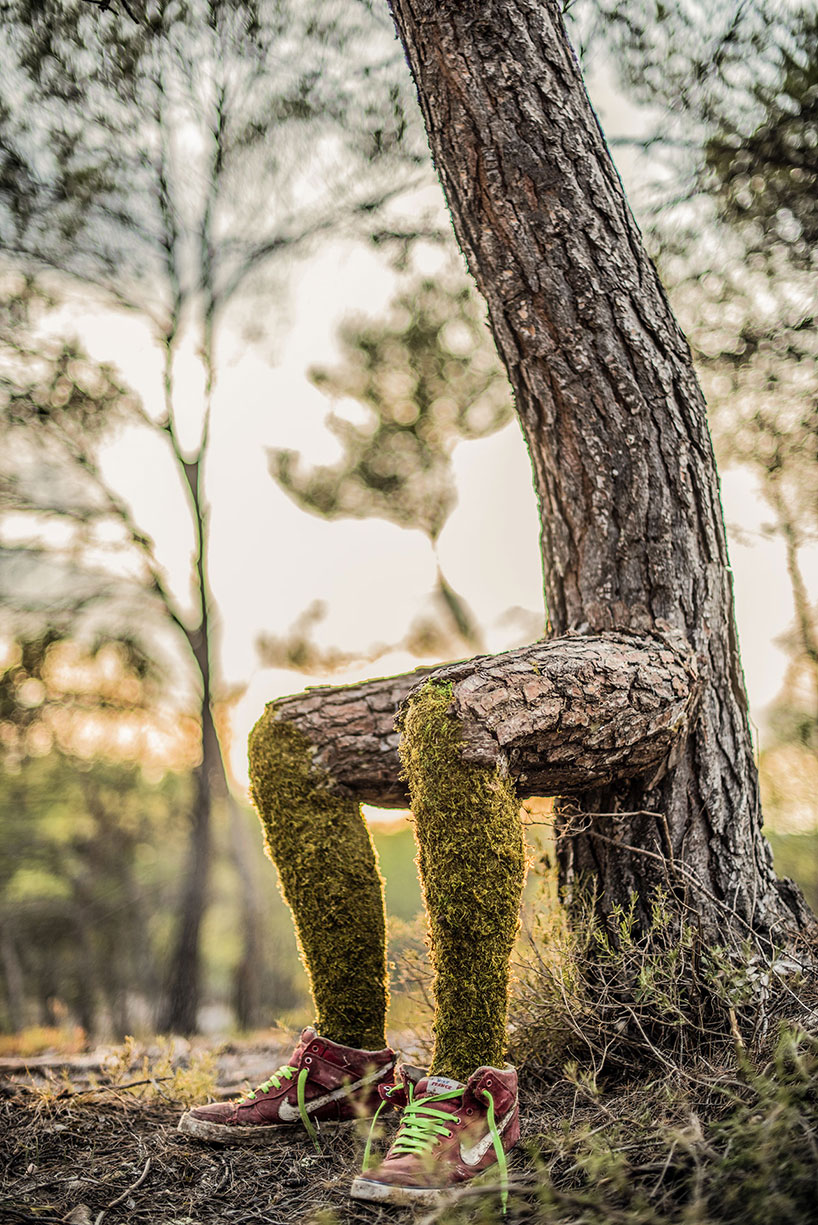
{"x": 449, "y": 1132}
{"x": 323, "y": 1082}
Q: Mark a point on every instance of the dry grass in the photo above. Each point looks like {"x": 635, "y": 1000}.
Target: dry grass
{"x": 37, "y": 1039}
{"x": 644, "y": 1102}
{"x": 73, "y": 1149}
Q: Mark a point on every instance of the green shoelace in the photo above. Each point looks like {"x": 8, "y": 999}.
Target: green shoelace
{"x": 422, "y": 1126}
{"x": 287, "y": 1072}
{"x": 499, "y": 1151}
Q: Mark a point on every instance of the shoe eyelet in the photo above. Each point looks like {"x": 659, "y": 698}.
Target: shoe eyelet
{"x": 469, "y": 1111}
{"x": 448, "y": 1134}
{"x": 315, "y": 1047}
{"x": 307, "y": 1059}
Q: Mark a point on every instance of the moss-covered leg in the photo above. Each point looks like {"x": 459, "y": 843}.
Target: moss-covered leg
{"x": 329, "y": 876}
{"x": 472, "y": 868}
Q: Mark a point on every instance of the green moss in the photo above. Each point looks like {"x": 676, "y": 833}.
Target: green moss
{"x": 472, "y": 869}
{"x": 329, "y": 877}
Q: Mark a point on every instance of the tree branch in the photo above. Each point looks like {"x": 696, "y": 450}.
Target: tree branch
{"x": 560, "y": 716}
{"x": 121, "y": 511}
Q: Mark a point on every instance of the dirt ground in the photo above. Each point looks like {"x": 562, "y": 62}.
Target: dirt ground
{"x": 80, "y": 1150}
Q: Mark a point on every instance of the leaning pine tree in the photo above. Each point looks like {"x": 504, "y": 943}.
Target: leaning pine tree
{"x": 633, "y": 709}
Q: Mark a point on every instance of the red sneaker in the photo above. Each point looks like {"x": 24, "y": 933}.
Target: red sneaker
{"x": 323, "y": 1082}
{"x": 449, "y": 1133}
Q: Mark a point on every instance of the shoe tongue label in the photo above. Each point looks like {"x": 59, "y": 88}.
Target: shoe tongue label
{"x": 442, "y": 1084}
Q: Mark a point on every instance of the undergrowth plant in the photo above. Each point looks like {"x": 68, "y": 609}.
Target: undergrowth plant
{"x": 737, "y": 1149}
{"x": 669, "y": 1080}
{"x": 619, "y": 999}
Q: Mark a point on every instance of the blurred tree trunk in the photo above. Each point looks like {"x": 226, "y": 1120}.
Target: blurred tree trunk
{"x": 183, "y": 987}
{"x": 247, "y": 976}
{"x": 183, "y": 983}
{"x": 12, "y": 977}
{"x": 632, "y": 530}
{"x": 93, "y": 979}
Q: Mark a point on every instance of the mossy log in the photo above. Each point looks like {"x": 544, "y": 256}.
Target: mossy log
{"x": 559, "y": 717}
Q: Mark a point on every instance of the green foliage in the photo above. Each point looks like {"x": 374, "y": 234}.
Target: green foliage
{"x": 733, "y": 94}
{"x": 91, "y": 855}
{"x": 426, "y": 376}
{"x": 136, "y": 120}
{"x": 329, "y": 876}
{"x": 396, "y": 852}
{"x": 79, "y": 884}
{"x": 731, "y": 163}
{"x": 47, "y": 381}
{"x": 51, "y": 686}
{"x": 57, "y": 407}
{"x": 762, "y": 163}
{"x": 796, "y": 856}
{"x": 472, "y": 869}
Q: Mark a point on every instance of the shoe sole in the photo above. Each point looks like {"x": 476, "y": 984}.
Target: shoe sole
{"x": 386, "y": 1193}
{"x": 224, "y": 1133}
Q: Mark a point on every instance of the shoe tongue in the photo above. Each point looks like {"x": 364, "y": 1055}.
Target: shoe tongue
{"x": 307, "y": 1036}
{"x": 437, "y": 1084}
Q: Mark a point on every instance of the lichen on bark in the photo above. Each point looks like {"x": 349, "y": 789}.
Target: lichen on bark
{"x": 472, "y": 867}
{"x": 329, "y": 877}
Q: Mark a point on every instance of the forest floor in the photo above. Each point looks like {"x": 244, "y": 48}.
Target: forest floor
{"x": 91, "y": 1138}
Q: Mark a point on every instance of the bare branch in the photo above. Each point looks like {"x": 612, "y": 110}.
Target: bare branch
{"x": 121, "y": 511}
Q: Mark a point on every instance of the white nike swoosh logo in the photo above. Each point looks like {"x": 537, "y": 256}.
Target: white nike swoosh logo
{"x": 289, "y": 1113}
{"x": 475, "y": 1154}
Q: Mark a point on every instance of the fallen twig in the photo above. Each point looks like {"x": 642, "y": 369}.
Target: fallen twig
{"x": 133, "y": 1084}
{"x": 125, "y": 1193}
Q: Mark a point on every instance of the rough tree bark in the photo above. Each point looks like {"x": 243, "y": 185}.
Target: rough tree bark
{"x": 615, "y": 421}
{"x": 633, "y": 540}
{"x": 556, "y": 716}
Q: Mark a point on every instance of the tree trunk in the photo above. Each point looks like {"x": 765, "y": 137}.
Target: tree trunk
{"x": 184, "y": 986}
{"x": 632, "y": 530}
{"x": 93, "y": 979}
{"x": 247, "y": 978}
{"x": 184, "y": 975}
{"x": 13, "y": 977}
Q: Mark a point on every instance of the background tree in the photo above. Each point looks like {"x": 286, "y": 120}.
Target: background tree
{"x": 81, "y": 889}
{"x": 426, "y": 377}
{"x": 161, "y": 163}
{"x": 95, "y": 772}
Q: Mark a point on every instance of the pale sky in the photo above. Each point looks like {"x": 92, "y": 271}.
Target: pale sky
{"x": 269, "y": 560}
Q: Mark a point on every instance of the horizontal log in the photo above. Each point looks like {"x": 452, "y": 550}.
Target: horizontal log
{"x": 561, "y": 716}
